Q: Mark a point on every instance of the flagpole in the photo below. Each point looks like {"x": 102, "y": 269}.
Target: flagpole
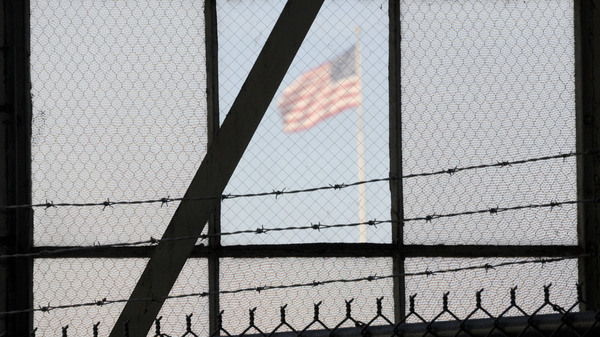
{"x": 360, "y": 148}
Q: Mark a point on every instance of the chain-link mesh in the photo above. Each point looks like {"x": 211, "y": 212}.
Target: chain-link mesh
{"x": 527, "y": 278}
{"x": 119, "y": 113}
{"x": 68, "y": 281}
{"x": 546, "y": 319}
{"x": 325, "y": 153}
{"x": 237, "y": 273}
{"x": 488, "y": 81}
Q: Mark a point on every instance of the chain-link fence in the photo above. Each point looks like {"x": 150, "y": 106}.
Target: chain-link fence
{"x": 121, "y": 124}
{"x": 479, "y": 319}
{"x": 488, "y": 81}
{"x": 326, "y": 152}
{"x": 119, "y": 113}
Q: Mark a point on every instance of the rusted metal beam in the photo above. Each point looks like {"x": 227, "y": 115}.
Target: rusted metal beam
{"x": 217, "y": 167}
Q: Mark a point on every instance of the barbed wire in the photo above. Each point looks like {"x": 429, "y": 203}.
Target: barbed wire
{"x": 259, "y": 289}
{"x": 313, "y": 226}
{"x": 165, "y": 201}
{"x": 495, "y": 210}
{"x": 557, "y": 320}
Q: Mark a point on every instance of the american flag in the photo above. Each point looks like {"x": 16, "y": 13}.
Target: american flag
{"x": 321, "y": 92}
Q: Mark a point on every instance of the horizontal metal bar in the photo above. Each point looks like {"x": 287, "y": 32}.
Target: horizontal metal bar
{"x": 490, "y": 251}
{"x": 327, "y": 250}
{"x": 386, "y": 250}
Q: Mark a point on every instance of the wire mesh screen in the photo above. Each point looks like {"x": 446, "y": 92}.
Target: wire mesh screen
{"x": 119, "y": 113}
{"x": 324, "y": 150}
{"x": 496, "y": 283}
{"x": 486, "y": 82}
{"x": 237, "y": 273}
{"x": 74, "y": 281}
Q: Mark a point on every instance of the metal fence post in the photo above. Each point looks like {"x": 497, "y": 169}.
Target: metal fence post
{"x": 16, "y": 225}
{"x": 212, "y": 97}
{"x": 587, "y": 75}
{"x": 396, "y": 159}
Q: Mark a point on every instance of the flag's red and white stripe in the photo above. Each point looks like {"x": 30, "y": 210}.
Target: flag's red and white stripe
{"x": 316, "y": 95}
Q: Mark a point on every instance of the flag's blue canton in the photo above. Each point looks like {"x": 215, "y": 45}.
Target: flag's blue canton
{"x": 344, "y": 66}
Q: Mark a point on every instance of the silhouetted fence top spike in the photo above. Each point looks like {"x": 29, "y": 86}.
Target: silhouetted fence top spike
{"x": 554, "y": 321}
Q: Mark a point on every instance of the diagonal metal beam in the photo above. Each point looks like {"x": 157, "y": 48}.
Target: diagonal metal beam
{"x": 217, "y": 167}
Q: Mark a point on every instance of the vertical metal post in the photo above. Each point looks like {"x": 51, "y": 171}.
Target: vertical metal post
{"x": 15, "y": 166}
{"x": 396, "y": 159}
{"x": 212, "y": 99}
{"x": 587, "y": 76}
{"x": 3, "y": 187}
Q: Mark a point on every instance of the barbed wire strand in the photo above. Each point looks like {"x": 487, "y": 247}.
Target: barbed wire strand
{"x": 277, "y": 193}
{"x": 313, "y": 226}
{"x": 486, "y": 267}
